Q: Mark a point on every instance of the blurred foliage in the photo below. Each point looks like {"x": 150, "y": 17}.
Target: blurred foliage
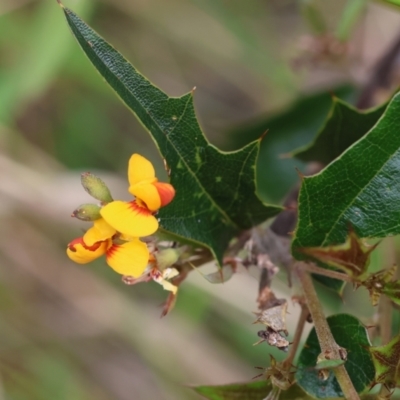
{"x": 76, "y": 332}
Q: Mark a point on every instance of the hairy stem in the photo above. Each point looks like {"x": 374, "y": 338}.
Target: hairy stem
{"x": 324, "y": 334}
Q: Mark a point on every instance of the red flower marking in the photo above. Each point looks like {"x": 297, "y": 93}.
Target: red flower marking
{"x": 80, "y": 241}
{"x": 139, "y": 207}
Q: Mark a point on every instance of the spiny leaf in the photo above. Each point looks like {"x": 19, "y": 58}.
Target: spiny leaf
{"x": 361, "y": 189}
{"x": 215, "y": 191}
{"x": 352, "y": 256}
{"x": 350, "y": 334}
{"x": 380, "y": 282}
{"x": 343, "y": 127}
{"x": 387, "y": 363}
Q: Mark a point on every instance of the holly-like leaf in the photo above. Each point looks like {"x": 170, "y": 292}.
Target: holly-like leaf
{"x": 387, "y": 363}
{"x": 343, "y": 127}
{"x": 249, "y": 391}
{"x": 352, "y": 256}
{"x": 350, "y": 334}
{"x": 360, "y": 189}
{"x": 294, "y": 127}
{"x": 215, "y": 191}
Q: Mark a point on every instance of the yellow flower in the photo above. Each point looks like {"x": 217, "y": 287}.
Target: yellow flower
{"x": 135, "y": 218}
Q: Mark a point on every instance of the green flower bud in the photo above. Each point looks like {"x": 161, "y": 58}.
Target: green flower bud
{"x": 87, "y": 212}
{"x": 96, "y": 187}
{"x": 167, "y": 257}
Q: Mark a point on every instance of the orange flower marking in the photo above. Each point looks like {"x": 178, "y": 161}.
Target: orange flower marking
{"x": 165, "y": 191}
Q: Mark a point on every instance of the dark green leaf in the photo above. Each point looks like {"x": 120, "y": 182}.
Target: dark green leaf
{"x": 286, "y": 131}
{"x": 350, "y": 334}
{"x": 344, "y": 126}
{"x": 216, "y": 191}
{"x": 360, "y": 190}
{"x": 249, "y": 391}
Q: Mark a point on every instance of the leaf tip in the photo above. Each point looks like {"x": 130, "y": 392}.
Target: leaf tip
{"x": 60, "y": 4}
{"x": 193, "y": 90}
{"x": 301, "y": 175}
{"x": 263, "y": 135}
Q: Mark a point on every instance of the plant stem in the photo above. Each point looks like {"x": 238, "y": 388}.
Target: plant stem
{"x": 324, "y": 334}
{"x": 288, "y": 361}
{"x": 314, "y": 269}
{"x": 385, "y": 310}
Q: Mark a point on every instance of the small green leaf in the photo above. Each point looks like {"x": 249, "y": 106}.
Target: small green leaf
{"x": 360, "y": 189}
{"x": 350, "y": 334}
{"x": 343, "y": 127}
{"x": 387, "y": 363}
{"x": 249, "y": 391}
{"x": 215, "y": 191}
{"x": 392, "y": 290}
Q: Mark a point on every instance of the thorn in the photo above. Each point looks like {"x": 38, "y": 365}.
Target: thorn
{"x": 192, "y": 91}
{"x": 301, "y": 175}
{"x": 60, "y": 4}
{"x": 263, "y": 135}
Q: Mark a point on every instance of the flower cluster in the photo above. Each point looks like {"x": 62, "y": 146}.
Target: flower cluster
{"x": 118, "y": 226}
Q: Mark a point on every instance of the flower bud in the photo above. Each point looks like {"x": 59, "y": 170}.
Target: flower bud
{"x": 87, "y": 212}
{"x": 167, "y": 257}
{"x": 96, "y": 187}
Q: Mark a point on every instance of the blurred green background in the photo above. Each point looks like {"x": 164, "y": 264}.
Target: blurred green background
{"x": 76, "y": 332}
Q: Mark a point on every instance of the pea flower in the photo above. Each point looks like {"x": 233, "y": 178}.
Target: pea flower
{"x": 135, "y": 218}
{"x": 117, "y": 227}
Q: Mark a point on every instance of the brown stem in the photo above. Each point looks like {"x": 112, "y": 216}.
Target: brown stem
{"x": 385, "y": 311}
{"x": 288, "y": 361}
{"x": 324, "y": 334}
{"x": 314, "y": 269}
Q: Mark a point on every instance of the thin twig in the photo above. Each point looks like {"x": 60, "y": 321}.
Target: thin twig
{"x": 385, "y": 311}
{"x": 288, "y": 361}
{"x": 324, "y": 334}
{"x": 314, "y": 269}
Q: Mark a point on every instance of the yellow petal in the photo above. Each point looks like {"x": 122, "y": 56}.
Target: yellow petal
{"x": 101, "y": 230}
{"x": 79, "y": 252}
{"x": 130, "y": 258}
{"x": 147, "y": 193}
{"x": 132, "y": 219}
{"x": 140, "y": 170}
